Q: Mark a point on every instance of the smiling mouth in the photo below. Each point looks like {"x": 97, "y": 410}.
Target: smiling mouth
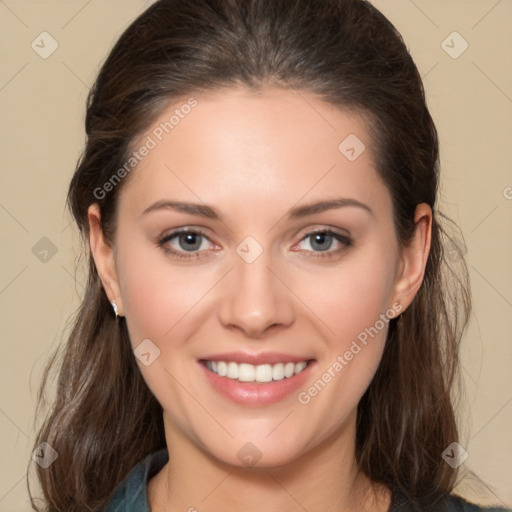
{"x": 262, "y": 373}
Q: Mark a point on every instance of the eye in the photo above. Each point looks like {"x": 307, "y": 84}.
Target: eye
{"x": 184, "y": 241}
{"x": 190, "y": 243}
{"x": 322, "y": 240}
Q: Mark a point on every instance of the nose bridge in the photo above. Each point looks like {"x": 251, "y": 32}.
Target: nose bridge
{"x": 254, "y": 299}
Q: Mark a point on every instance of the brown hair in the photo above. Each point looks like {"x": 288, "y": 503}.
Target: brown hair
{"x": 351, "y": 56}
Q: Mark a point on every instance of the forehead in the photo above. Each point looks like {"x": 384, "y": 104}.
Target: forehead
{"x": 266, "y": 146}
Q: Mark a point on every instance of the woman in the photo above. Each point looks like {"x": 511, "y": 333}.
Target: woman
{"x": 269, "y": 321}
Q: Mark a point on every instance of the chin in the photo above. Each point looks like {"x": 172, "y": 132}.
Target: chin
{"x": 259, "y": 453}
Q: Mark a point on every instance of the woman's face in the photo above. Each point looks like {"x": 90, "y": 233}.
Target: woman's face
{"x": 251, "y": 291}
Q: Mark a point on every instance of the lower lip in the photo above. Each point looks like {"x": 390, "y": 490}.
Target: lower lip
{"x": 257, "y": 393}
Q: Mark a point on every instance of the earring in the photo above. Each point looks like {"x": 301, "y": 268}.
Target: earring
{"x": 114, "y": 305}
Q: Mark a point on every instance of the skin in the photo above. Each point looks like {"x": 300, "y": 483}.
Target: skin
{"x": 253, "y": 157}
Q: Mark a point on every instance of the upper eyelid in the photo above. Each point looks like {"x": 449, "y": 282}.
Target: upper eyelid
{"x": 185, "y": 229}
{"x": 173, "y": 234}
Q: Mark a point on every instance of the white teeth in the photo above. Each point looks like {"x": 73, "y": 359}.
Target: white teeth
{"x": 278, "y": 371}
{"x": 245, "y": 372}
{"x": 263, "y": 373}
{"x": 289, "y": 369}
{"x": 300, "y": 366}
{"x": 222, "y": 369}
{"x": 232, "y": 371}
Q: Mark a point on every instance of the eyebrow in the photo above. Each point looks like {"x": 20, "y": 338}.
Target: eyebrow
{"x": 203, "y": 210}
{"x": 321, "y": 206}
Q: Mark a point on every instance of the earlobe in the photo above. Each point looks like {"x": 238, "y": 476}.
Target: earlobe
{"x": 103, "y": 254}
{"x": 414, "y": 258}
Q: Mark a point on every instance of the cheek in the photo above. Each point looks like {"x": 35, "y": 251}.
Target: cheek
{"x": 354, "y": 302}
{"x": 351, "y": 298}
{"x": 158, "y": 297}
{"x": 362, "y": 301}
{"x": 157, "y": 301}
{"x": 357, "y": 309}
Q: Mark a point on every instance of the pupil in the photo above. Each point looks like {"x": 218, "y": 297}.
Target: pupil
{"x": 191, "y": 241}
{"x": 321, "y": 239}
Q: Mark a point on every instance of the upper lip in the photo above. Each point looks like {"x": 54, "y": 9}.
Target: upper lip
{"x": 255, "y": 359}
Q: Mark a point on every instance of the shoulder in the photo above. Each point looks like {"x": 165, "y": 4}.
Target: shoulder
{"x": 131, "y": 494}
{"x": 449, "y": 503}
{"x": 456, "y": 503}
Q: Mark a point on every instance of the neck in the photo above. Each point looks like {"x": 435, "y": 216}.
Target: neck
{"x": 325, "y": 479}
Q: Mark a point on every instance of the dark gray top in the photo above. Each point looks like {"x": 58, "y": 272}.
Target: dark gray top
{"x": 131, "y": 494}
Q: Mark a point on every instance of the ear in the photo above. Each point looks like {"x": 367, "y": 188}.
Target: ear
{"x": 103, "y": 254}
{"x": 414, "y": 258}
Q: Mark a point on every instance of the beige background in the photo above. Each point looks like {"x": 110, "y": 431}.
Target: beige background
{"x": 42, "y": 114}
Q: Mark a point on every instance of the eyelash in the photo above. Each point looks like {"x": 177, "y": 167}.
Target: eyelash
{"x": 162, "y": 243}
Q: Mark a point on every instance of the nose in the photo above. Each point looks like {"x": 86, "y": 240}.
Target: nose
{"x": 256, "y": 299}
